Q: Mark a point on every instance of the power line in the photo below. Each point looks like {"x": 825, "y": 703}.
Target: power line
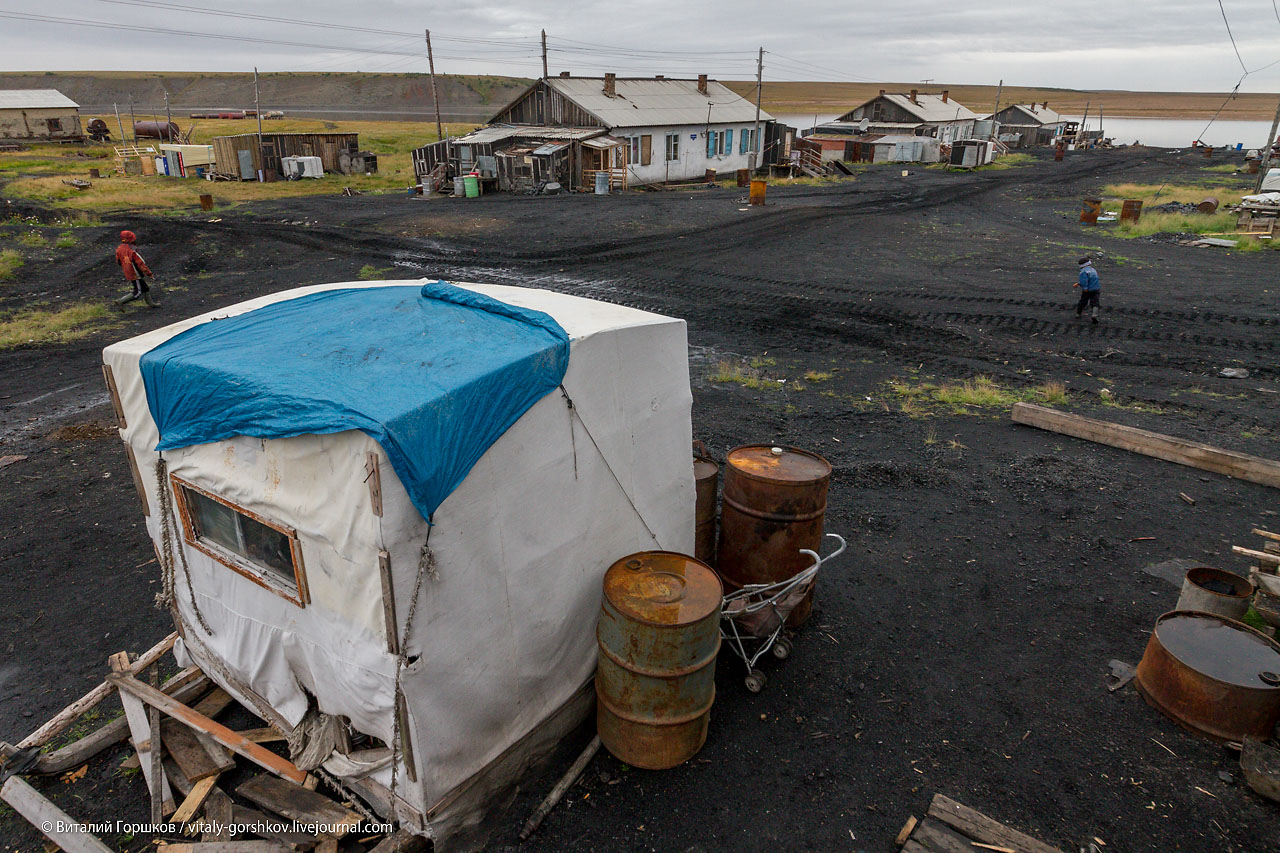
{"x": 1243, "y": 67}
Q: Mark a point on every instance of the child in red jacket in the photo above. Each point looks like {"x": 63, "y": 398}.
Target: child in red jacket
{"x": 135, "y": 270}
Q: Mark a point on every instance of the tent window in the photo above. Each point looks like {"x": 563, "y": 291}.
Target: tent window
{"x": 54, "y": 123}
{"x": 261, "y": 550}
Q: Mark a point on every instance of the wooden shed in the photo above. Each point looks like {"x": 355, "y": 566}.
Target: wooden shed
{"x": 42, "y": 114}
{"x": 240, "y": 157}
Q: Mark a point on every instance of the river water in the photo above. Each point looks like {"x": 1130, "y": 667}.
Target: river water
{"x": 1161, "y": 132}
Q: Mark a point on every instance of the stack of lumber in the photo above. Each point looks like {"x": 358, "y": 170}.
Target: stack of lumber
{"x": 185, "y": 757}
{"x": 951, "y": 827}
{"x": 1263, "y": 573}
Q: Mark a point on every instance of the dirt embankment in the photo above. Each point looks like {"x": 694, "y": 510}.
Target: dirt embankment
{"x": 321, "y": 94}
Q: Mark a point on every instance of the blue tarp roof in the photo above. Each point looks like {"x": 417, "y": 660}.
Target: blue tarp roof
{"x": 435, "y": 374}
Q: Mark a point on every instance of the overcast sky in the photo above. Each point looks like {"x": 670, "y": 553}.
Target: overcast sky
{"x": 1113, "y": 44}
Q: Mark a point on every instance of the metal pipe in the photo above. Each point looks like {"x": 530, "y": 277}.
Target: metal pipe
{"x": 557, "y": 793}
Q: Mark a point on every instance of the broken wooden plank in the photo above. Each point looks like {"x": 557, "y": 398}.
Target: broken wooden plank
{"x": 257, "y": 823}
{"x": 72, "y": 712}
{"x": 110, "y": 379}
{"x": 937, "y": 837}
{"x": 140, "y": 730}
{"x": 1266, "y": 534}
{"x": 189, "y": 754}
{"x": 159, "y": 793}
{"x": 213, "y": 704}
{"x": 1242, "y": 466}
{"x": 258, "y": 755}
{"x": 194, "y": 800}
{"x": 299, "y": 804}
{"x": 71, "y": 835}
{"x": 217, "y": 817}
{"x": 979, "y": 827}
{"x": 267, "y": 734}
{"x": 1264, "y": 556}
{"x": 905, "y": 832}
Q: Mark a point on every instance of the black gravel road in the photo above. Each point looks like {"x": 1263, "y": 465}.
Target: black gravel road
{"x": 960, "y": 645}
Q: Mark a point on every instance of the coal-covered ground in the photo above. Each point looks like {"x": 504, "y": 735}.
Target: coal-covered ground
{"x": 961, "y": 643}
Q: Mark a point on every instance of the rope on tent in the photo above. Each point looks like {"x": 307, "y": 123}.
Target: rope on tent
{"x": 426, "y": 567}
{"x": 168, "y": 540}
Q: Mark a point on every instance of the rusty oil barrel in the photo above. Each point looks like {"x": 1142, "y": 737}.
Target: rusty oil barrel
{"x": 659, "y": 633}
{"x": 706, "y": 478}
{"x": 1213, "y": 675}
{"x": 774, "y": 503}
{"x": 1216, "y": 591}
{"x": 1131, "y": 210}
{"x": 744, "y": 178}
{"x": 1089, "y": 212}
{"x": 758, "y": 189}
{"x": 1209, "y": 205}
{"x": 1059, "y": 151}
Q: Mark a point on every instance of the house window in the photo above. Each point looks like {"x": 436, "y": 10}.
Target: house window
{"x": 673, "y": 147}
{"x": 633, "y": 149}
{"x": 711, "y": 144}
{"x": 726, "y": 146}
{"x": 265, "y": 552}
{"x": 54, "y": 123}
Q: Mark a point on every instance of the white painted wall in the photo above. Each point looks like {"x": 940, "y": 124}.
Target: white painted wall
{"x": 692, "y": 161}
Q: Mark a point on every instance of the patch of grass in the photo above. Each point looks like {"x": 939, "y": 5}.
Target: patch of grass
{"x": 1008, "y": 161}
{"x": 1050, "y": 393}
{"x": 1253, "y": 620}
{"x": 981, "y": 392}
{"x": 1229, "y": 168}
{"x": 35, "y": 326}
{"x": 760, "y": 362}
{"x": 65, "y": 240}
{"x": 931, "y": 437}
{"x": 1177, "y": 223}
{"x": 744, "y": 375}
{"x": 10, "y": 262}
{"x": 1109, "y": 399}
{"x": 369, "y": 272}
{"x": 818, "y": 375}
{"x": 33, "y": 239}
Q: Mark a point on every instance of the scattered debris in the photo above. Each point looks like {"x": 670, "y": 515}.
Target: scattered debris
{"x": 1186, "y": 498}
{"x": 1234, "y": 373}
{"x": 566, "y": 782}
{"x": 1260, "y": 765}
{"x": 1213, "y": 241}
{"x": 9, "y": 460}
{"x": 1121, "y": 674}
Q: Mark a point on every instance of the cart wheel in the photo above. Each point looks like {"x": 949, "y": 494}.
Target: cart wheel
{"x": 755, "y": 681}
{"x": 782, "y": 648}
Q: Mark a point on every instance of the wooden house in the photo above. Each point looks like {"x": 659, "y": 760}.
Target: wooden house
{"x": 636, "y": 130}
{"x": 240, "y": 157}
{"x": 1031, "y": 124}
{"x": 39, "y": 114}
{"x": 914, "y": 114}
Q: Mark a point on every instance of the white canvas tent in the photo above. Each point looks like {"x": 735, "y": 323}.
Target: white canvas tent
{"x": 502, "y": 648}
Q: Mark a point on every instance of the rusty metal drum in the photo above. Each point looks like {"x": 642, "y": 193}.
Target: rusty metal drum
{"x": 1131, "y": 210}
{"x": 774, "y": 503}
{"x": 659, "y": 633}
{"x": 1215, "y": 591}
{"x": 1208, "y": 205}
{"x": 706, "y": 478}
{"x": 1089, "y": 212}
{"x": 1215, "y": 676}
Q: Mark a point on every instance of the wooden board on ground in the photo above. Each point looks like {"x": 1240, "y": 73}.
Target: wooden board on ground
{"x": 1242, "y": 466}
{"x": 266, "y": 734}
{"x": 298, "y": 803}
{"x": 269, "y": 828}
{"x": 194, "y": 800}
{"x": 217, "y": 816}
{"x": 951, "y": 827}
{"x": 39, "y": 812}
{"x": 191, "y": 756}
{"x": 140, "y": 730}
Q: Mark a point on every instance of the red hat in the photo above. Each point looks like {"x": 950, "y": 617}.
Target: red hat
{"x": 128, "y": 237}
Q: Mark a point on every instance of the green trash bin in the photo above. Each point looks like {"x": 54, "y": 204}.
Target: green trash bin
{"x": 471, "y": 184}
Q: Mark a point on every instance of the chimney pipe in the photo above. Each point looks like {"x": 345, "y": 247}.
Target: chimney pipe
{"x": 564, "y": 73}
{"x": 945, "y": 93}
{"x": 702, "y": 84}
{"x": 610, "y": 84}
{"x": 882, "y": 91}
{"x": 659, "y": 77}
{"x": 914, "y": 93}
{"x": 1046, "y": 105}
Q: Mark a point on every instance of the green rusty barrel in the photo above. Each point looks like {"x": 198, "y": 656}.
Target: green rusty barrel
{"x": 773, "y": 503}
{"x": 659, "y": 633}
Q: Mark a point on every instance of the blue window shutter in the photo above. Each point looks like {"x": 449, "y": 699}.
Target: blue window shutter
{"x": 746, "y": 139}
{"x": 728, "y": 141}
{"x": 711, "y": 144}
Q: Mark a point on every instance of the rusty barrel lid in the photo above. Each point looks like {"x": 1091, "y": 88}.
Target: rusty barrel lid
{"x": 663, "y": 588}
{"x": 704, "y": 469}
{"x": 778, "y": 464}
{"x": 1221, "y": 649}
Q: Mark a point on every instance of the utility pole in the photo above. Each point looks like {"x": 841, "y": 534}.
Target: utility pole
{"x": 168, "y": 118}
{"x": 435, "y": 94}
{"x": 257, "y": 109}
{"x": 1266, "y": 153}
{"x": 1099, "y": 122}
{"x": 545, "y": 73}
{"x": 1084, "y": 118}
{"x": 754, "y": 160}
{"x": 999, "y": 92}
{"x": 133, "y": 118}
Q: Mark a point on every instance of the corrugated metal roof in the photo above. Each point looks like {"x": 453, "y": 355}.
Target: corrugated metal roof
{"x": 645, "y": 102}
{"x": 1041, "y": 115}
{"x": 930, "y": 108}
{"x": 499, "y": 132}
{"x": 34, "y": 99}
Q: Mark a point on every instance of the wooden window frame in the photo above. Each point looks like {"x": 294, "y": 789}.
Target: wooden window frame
{"x": 237, "y": 563}
{"x": 673, "y": 148}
